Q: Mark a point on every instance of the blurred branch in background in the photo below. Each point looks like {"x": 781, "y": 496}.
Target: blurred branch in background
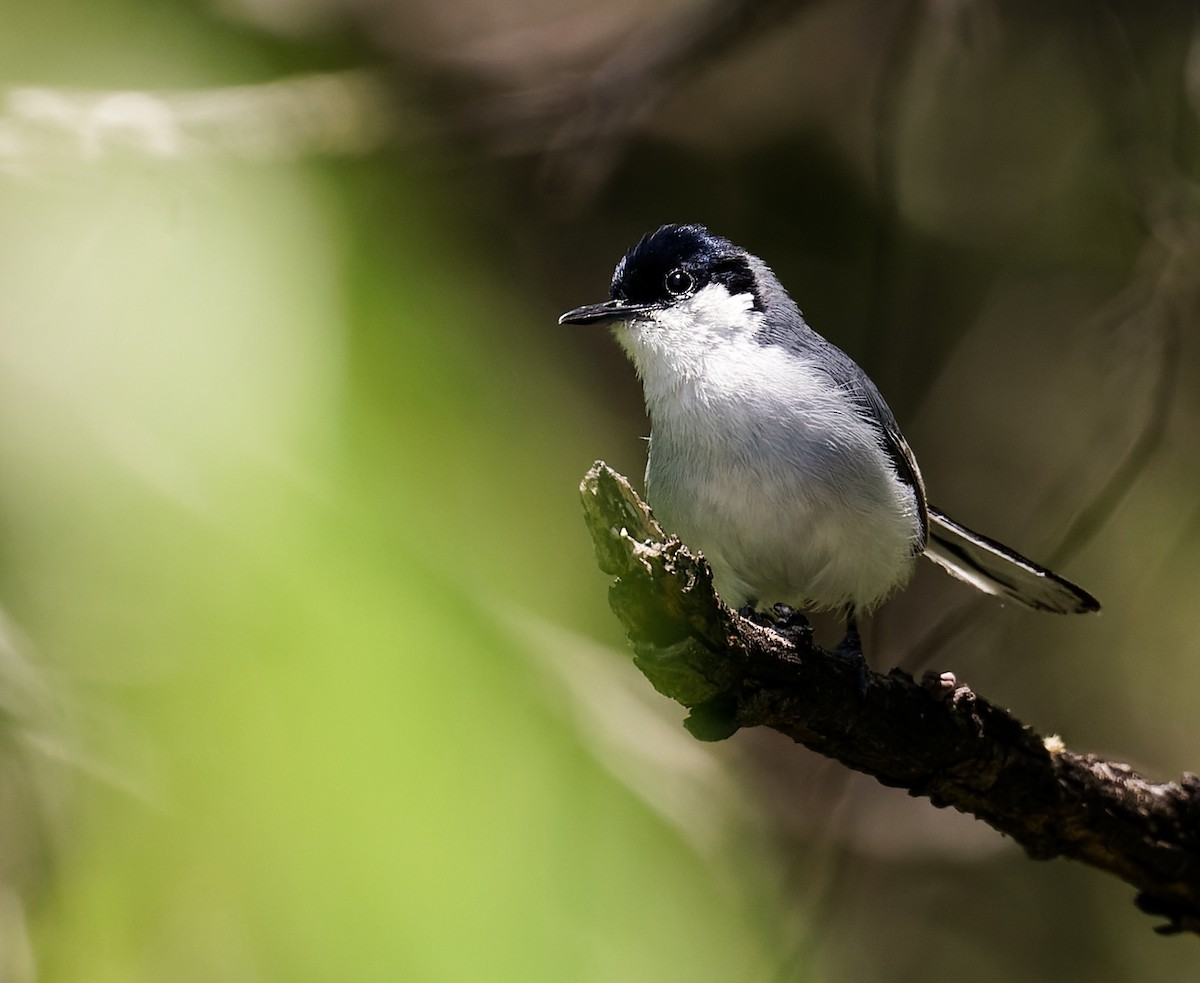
{"x": 339, "y": 113}
{"x": 1147, "y": 321}
{"x": 1152, "y": 314}
{"x": 582, "y": 127}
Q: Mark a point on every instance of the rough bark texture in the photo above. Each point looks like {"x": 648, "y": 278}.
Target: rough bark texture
{"x": 944, "y": 743}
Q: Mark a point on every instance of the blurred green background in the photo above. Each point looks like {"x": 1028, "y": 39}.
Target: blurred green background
{"x": 306, "y": 669}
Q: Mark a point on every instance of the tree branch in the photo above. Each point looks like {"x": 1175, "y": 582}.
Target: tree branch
{"x": 953, "y": 747}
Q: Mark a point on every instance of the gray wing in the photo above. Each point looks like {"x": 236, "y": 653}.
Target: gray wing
{"x": 849, "y": 377}
{"x": 789, "y": 329}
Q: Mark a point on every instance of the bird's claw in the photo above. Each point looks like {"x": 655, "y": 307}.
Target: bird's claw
{"x": 939, "y": 685}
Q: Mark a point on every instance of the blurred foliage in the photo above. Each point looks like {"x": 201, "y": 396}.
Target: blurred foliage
{"x": 295, "y": 682}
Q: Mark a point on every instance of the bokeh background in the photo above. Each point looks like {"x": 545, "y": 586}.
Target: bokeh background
{"x": 306, "y": 669}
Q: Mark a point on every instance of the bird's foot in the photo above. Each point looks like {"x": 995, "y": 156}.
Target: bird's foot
{"x": 850, "y": 651}
{"x": 781, "y": 618}
{"x": 788, "y": 619}
{"x": 751, "y": 613}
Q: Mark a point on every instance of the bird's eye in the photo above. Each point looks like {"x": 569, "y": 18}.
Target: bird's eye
{"x": 678, "y": 282}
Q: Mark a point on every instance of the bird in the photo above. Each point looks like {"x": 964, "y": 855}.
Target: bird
{"x": 773, "y": 453}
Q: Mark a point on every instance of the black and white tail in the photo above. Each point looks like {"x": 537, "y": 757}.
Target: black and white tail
{"x": 995, "y": 569}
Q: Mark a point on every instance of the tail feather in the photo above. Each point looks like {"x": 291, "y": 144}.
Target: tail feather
{"x": 995, "y": 569}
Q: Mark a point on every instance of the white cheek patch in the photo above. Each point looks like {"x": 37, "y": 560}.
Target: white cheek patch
{"x": 675, "y": 344}
{"x": 712, "y": 316}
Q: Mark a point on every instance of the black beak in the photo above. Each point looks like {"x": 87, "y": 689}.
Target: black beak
{"x": 610, "y": 310}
